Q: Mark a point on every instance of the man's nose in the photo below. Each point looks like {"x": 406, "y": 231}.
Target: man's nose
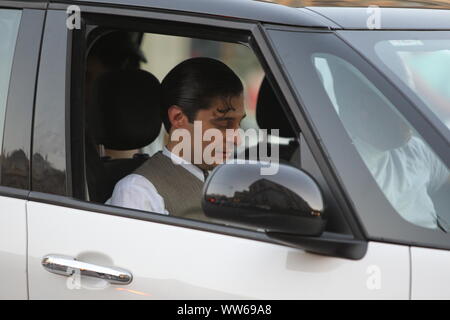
{"x": 235, "y": 138}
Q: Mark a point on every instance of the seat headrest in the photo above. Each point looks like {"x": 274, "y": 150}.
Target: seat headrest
{"x": 270, "y": 113}
{"x": 125, "y": 109}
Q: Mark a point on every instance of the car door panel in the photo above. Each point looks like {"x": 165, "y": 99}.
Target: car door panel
{"x": 13, "y": 247}
{"x": 427, "y": 284}
{"x": 172, "y": 262}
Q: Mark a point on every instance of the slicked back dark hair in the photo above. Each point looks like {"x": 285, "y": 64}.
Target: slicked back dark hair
{"x": 193, "y": 84}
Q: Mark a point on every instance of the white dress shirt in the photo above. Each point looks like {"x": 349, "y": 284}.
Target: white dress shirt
{"x": 406, "y": 175}
{"x": 137, "y": 192}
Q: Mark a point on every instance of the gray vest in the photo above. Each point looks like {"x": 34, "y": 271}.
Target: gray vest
{"x": 180, "y": 189}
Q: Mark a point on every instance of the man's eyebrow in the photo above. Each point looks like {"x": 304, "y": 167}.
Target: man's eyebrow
{"x": 228, "y": 118}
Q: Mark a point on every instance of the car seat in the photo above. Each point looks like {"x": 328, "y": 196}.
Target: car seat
{"x": 124, "y": 114}
{"x": 270, "y": 115}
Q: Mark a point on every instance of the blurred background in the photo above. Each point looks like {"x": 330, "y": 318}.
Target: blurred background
{"x": 163, "y": 52}
{"x": 365, "y": 3}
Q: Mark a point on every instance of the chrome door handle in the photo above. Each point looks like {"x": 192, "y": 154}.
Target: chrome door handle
{"x": 67, "y": 266}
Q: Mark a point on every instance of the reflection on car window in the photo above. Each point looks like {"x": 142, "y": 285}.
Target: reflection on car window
{"x": 404, "y": 167}
{"x": 9, "y": 26}
{"x": 423, "y": 65}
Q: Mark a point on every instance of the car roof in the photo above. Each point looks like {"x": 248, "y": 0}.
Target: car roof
{"x": 389, "y": 18}
{"x": 295, "y": 15}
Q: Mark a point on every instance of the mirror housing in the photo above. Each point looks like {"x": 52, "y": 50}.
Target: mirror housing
{"x": 289, "y": 201}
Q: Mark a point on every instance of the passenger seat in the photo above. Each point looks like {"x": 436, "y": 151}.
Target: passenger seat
{"x": 270, "y": 115}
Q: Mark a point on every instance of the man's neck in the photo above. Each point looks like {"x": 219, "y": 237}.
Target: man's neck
{"x": 170, "y": 146}
{"x": 179, "y": 158}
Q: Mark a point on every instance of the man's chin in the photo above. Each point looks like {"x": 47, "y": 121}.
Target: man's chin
{"x": 391, "y": 141}
{"x": 214, "y": 164}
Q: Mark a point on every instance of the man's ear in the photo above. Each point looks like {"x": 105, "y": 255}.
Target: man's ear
{"x": 177, "y": 117}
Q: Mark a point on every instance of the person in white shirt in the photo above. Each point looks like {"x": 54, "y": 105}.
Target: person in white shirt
{"x": 403, "y": 165}
{"x": 136, "y": 192}
{"x": 200, "y": 90}
{"x": 407, "y": 175}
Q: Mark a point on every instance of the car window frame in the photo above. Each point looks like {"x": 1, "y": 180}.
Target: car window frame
{"x": 21, "y": 97}
{"x": 49, "y": 169}
{"x": 309, "y": 134}
{"x": 343, "y": 157}
{"x": 257, "y": 41}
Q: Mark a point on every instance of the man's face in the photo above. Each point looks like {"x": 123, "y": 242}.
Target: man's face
{"x": 383, "y": 130}
{"x": 222, "y": 116}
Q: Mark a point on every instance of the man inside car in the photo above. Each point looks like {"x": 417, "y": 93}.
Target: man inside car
{"x": 198, "y": 91}
{"x": 404, "y": 167}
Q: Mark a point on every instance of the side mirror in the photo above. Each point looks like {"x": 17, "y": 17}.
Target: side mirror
{"x": 288, "y": 202}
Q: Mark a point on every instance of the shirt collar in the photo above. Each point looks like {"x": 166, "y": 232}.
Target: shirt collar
{"x": 196, "y": 171}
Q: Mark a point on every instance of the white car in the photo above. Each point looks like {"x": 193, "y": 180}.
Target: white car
{"x": 352, "y": 235}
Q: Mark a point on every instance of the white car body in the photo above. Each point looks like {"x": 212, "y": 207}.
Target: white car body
{"x": 169, "y": 260}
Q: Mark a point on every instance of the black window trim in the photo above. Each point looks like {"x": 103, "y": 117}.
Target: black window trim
{"x": 160, "y": 15}
{"x": 12, "y": 4}
{"x": 21, "y": 99}
{"x": 304, "y": 121}
{"x": 48, "y": 173}
{"x": 15, "y": 193}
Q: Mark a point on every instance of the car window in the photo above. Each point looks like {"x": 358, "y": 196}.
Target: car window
{"x": 126, "y": 130}
{"x": 9, "y": 26}
{"x": 425, "y": 64}
{"x": 114, "y": 151}
{"x": 403, "y": 165}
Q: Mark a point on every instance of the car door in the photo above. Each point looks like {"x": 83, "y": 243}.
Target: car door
{"x": 132, "y": 254}
{"x": 20, "y": 30}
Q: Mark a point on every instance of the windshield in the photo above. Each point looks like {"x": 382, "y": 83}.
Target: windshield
{"x": 421, "y": 60}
